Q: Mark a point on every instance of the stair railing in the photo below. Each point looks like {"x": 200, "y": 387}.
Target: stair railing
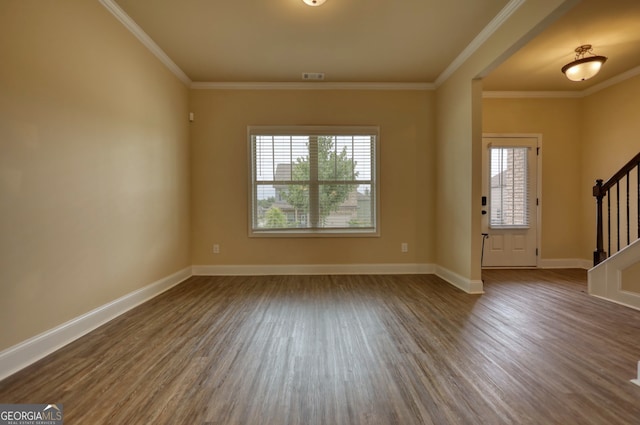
{"x": 626, "y": 210}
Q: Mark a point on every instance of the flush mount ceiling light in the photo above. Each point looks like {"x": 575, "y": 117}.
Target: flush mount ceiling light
{"x": 583, "y": 68}
{"x": 314, "y": 2}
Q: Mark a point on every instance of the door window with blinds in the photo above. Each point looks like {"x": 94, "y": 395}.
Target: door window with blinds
{"x": 316, "y": 181}
{"x": 509, "y": 187}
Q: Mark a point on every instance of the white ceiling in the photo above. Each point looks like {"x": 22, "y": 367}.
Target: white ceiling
{"x": 376, "y": 40}
{"x": 612, "y": 27}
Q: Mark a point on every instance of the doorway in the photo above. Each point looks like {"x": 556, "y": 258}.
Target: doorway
{"x": 510, "y": 201}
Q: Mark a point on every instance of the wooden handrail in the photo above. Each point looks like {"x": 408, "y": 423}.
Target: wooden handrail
{"x": 626, "y": 169}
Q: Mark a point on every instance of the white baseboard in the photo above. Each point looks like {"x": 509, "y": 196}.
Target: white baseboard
{"x": 27, "y": 352}
{"x": 467, "y": 285}
{"x": 311, "y": 269}
{"x": 635, "y": 306}
{"x": 565, "y": 263}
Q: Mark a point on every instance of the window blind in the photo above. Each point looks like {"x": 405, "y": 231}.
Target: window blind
{"x": 313, "y": 181}
{"x": 509, "y": 187}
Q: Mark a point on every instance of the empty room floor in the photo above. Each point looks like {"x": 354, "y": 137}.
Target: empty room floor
{"x": 408, "y": 349}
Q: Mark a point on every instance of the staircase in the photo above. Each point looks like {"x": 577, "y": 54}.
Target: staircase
{"x": 622, "y": 192}
{"x": 617, "y": 278}
{"x": 616, "y": 272}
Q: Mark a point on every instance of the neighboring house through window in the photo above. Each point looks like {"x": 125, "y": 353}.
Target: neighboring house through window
{"x": 509, "y": 187}
{"x": 313, "y": 181}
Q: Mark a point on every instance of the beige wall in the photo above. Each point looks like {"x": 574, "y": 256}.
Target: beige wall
{"x": 454, "y": 190}
{"x": 558, "y": 122}
{"x": 94, "y": 191}
{"x": 630, "y": 278}
{"x": 611, "y": 130}
{"x": 220, "y": 174}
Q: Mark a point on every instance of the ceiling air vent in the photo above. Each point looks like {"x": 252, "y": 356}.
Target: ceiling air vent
{"x": 313, "y": 76}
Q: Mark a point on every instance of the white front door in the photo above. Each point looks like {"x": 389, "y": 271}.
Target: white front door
{"x": 509, "y": 197}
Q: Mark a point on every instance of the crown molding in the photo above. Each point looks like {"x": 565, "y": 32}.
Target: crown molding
{"x": 634, "y": 72}
{"x": 530, "y": 94}
{"x": 144, "y": 38}
{"x": 310, "y": 86}
{"x": 483, "y": 36}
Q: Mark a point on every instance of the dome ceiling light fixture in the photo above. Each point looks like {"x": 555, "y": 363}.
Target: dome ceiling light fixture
{"x": 582, "y": 68}
{"x": 314, "y": 2}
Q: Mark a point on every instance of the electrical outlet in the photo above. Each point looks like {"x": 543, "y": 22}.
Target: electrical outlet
{"x": 216, "y": 248}
{"x": 404, "y": 247}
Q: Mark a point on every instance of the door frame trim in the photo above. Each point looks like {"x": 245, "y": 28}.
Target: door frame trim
{"x": 538, "y": 137}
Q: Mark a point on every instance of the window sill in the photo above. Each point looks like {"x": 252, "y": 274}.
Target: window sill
{"x": 307, "y": 233}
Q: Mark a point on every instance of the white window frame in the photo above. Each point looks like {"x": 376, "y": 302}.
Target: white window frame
{"x": 374, "y": 131}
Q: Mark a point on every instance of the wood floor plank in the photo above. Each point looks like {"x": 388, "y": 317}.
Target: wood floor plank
{"x": 534, "y": 349}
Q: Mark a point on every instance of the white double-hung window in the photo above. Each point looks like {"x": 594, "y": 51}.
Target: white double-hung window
{"x": 313, "y": 181}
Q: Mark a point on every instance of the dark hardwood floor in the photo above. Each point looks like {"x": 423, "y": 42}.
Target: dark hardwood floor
{"x": 535, "y": 349}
